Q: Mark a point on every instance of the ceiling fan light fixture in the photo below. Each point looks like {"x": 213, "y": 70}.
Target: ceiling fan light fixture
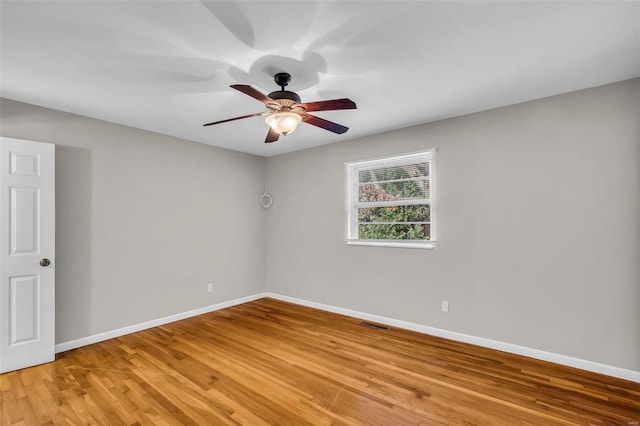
{"x": 283, "y": 123}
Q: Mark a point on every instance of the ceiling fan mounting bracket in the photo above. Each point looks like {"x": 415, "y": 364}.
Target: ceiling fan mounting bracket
{"x": 282, "y": 79}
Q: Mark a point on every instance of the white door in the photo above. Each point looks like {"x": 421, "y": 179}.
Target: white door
{"x": 27, "y": 232}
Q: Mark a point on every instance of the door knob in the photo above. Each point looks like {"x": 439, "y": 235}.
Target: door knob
{"x": 45, "y": 262}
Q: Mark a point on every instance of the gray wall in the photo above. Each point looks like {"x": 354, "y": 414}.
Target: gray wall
{"x": 538, "y": 225}
{"x": 144, "y": 221}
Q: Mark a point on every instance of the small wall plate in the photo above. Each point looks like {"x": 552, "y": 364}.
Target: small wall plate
{"x": 266, "y": 200}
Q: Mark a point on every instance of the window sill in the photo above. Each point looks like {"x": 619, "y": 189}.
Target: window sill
{"x": 430, "y": 245}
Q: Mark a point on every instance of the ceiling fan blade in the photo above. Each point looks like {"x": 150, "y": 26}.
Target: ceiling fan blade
{"x": 325, "y": 124}
{"x": 236, "y": 118}
{"x": 254, "y": 93}
{"x": 272, "y": 136}
{"x": 331, "y": 105}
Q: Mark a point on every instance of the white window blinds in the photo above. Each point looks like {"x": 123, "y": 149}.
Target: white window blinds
{"x": 391, "y": 199}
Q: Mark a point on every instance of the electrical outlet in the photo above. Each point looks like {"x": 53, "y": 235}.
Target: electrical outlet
{"x": 445, "y": 306}
{"x": 210, "y": 287}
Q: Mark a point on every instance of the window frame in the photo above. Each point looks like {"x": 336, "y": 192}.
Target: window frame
{"x": 352, "y": 170}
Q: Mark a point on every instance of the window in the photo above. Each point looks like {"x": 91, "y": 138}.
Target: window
{"x": 390, "y": 201}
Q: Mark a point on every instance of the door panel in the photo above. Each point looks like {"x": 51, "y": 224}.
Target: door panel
{"x": 27, "y": 165}
{"x": 27, "y": 232}
{"x": 23, "y": 210}
{"x": 24, "y": 296}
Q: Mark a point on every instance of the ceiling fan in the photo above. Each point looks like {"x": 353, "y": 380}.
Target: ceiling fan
{"x": 286, "y": 111}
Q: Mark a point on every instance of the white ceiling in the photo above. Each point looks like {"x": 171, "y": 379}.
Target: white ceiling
{"x": 166, "y": 66}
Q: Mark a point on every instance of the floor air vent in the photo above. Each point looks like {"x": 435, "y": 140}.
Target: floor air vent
{"x": 373, "y": 325}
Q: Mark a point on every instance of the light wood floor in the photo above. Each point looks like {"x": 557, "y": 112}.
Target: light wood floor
{"x": 271, "y": 362}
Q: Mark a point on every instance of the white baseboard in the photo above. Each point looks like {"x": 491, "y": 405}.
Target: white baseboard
{"x": 596, "y": 367}
{"x": 84, "y": 341}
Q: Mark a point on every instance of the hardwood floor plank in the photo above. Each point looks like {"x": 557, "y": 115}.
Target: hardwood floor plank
{"x": 270, "y": 362}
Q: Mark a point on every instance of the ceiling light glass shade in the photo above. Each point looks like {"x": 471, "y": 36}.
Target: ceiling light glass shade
{"x": 283, "y": 122}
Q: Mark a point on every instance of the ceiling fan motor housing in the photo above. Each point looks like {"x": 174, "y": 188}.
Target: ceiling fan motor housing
{"x": 282, "y": 96}
{"x": 285, "y": 94}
